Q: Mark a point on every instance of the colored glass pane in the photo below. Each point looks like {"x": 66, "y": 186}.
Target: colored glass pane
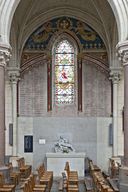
{"x": 64, "y": 73}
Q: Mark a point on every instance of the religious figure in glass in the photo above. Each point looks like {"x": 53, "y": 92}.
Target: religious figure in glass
{"x": 64, "y": 73}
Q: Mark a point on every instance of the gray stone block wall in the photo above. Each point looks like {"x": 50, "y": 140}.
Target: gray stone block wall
{"x": 88, "y": 135}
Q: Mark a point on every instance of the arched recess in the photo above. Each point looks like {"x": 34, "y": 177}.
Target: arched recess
{"x": 80, "y": 34}
{"x": 37, "y": 56}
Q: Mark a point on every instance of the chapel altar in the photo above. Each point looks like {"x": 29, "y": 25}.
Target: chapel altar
{"x": 56, "y": 162}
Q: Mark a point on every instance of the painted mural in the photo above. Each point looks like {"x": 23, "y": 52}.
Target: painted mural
{"x": 88, "y": 38}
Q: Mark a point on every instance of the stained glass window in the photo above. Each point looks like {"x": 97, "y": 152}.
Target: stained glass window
{"x": 64, "y": 73}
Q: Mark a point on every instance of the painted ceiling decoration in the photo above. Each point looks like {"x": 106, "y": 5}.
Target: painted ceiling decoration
{"x": 40, "y": 38}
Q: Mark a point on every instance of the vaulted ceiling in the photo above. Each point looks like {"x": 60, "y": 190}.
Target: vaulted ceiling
{"x": 32, "y": 13}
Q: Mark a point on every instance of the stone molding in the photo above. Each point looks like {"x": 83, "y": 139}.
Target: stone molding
{"x": 122, "y": 52}
{"x": 5, "y": 55}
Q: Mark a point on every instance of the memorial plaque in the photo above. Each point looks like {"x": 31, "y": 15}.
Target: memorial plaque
{"x": 28, "y": 143}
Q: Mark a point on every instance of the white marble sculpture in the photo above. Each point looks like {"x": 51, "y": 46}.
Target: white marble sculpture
{"x": 63, "y": 146}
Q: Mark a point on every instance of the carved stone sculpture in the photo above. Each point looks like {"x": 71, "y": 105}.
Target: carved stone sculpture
{"x": 63, "y": 146}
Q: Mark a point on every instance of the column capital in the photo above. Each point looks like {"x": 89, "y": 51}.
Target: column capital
{"x": 14, "y": 74}
{"x": 115, "y": 74}
{"x": 5, "y": 54}
{"x": 122, "y": 52}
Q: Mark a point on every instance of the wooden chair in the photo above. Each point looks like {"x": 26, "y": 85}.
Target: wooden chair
{"x": 114, "y": 166}
{"x": 25, "y": 188}
{"x": 68, "y": 186}
{"x": 14, "y": 176}
{"x": 101, "y": 184}
{"x": 3, "y": 186}
{"x": 45, "y": 177}
{"x": 25, "y": 170}
{"x": 72, "y": 176}
{"x": 30, "y": 186}
{"x": 34, "y": 185}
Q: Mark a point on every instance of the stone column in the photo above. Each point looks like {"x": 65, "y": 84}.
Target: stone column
{"x": 4, "y": 58}
{"x": 123, "y": 56}
{"x": 14, "y": 77}
{"x": 122, "y": 49}
{"x": 115, "y": 77}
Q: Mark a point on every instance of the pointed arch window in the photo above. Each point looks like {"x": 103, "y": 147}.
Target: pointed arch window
{"x": 64, "y": 73}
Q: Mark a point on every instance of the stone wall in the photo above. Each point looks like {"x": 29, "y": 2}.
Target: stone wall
{"x": 96, "y": 93}
{"x": 86, "y": 134}
{"x": 33, "y": 91}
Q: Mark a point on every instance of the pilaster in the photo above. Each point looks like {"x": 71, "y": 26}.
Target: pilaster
{"x": 115, "y": 74}
{"x": 122, "y": 50}
{"x": 4, "y": 59}
{"x": 14, "y": 74}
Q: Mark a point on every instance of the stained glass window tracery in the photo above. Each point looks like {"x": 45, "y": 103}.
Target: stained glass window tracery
{"x": 64, "y": 73}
